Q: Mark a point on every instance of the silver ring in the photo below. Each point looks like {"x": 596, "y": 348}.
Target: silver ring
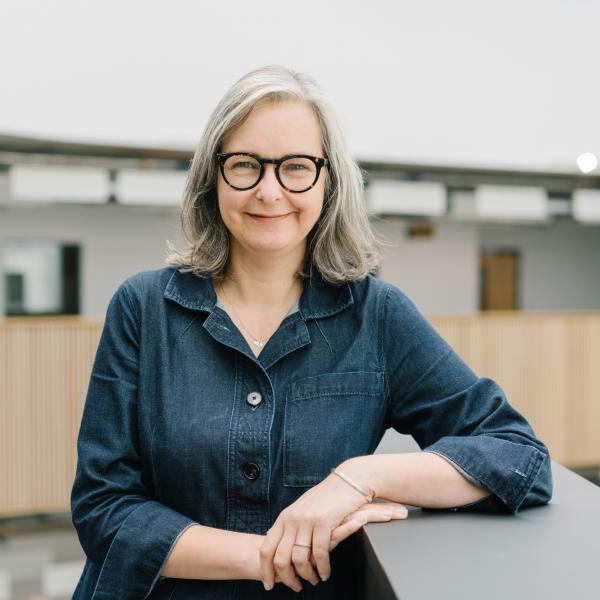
{"x": 303, "y": 545}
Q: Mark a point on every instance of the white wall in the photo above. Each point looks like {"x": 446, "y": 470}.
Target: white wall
{"x": 559, "y": 265}
{"x": 115, "y": 241}
{"x": 440, "y": 274}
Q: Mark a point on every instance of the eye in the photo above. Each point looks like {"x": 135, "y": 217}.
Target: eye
{"x": 294, "y": 166}
{"x": 244, "y": 164}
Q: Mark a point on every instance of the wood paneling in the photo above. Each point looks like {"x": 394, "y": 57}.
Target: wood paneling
{"x": 45, "y": 364}
{"x": 545, "y": 364}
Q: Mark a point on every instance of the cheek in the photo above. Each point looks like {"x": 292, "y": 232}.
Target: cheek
{"x": 229, "y": 201}
{"x": 315, "y": 206}
{"x": 316, "y": 213}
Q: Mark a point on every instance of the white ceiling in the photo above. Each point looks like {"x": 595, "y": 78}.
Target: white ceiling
{"x": 511, "y": 83}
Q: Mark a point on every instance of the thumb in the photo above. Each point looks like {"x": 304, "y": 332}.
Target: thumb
{"x": 370, "y": 513}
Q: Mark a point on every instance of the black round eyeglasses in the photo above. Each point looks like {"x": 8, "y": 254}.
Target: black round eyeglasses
{"x": 295, "y": 172}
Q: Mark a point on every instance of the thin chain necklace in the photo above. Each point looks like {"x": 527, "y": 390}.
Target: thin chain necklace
{"x": 256, "y": 341}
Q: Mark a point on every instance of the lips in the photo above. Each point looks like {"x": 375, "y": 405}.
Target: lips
{"x": 268, "y": 218}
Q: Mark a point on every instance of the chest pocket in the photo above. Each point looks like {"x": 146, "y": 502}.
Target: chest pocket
{"x": 329, "y": 418}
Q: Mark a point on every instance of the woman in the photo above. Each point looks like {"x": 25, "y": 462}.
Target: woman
{"x": 228, "y": 385}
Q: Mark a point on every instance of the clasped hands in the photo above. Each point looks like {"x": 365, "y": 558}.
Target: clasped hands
{"x": 322, "y": 517}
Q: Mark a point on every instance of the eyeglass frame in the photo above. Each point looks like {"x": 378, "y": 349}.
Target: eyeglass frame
{"x": 319, "y": 162}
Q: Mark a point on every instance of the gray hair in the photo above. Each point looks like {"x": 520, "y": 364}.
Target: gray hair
{"x": 341, "y": 246}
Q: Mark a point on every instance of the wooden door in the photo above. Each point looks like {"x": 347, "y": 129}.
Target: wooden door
{"x": 499, "y": 280}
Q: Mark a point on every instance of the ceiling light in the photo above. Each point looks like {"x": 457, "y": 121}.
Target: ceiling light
{"x": 511, "y": 203}
{"x": 587, "y": 162}
{"x": 399, "y": 197}
{"x": 586, "y": 205}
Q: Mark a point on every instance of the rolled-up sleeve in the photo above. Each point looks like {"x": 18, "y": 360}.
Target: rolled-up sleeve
{"x": 435, "y": 397}
{"x": 122, "y": 529}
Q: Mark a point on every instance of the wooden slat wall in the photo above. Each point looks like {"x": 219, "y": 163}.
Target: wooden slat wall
{"x": 544, "y": 362}
{"x": 45, "y": 364}
{"x": 547, "y": 365}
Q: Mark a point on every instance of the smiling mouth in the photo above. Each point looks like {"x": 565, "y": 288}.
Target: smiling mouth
{"x": 268, "y": 218}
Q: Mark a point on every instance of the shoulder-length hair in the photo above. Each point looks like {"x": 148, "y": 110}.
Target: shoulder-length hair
{"x": 341, "y": 246}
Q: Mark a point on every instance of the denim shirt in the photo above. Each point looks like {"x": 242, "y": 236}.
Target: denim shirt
{"x": 183, "y": 424}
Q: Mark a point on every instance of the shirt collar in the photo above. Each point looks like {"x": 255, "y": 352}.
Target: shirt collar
{"x": 319, "y": 298}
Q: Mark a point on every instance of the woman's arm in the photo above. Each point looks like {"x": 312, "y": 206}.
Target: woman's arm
{"x": 417, "y": 478}
{"x": 209, "y": 553}
{"x": 435, "y": 397}
{"x": 122, "y": 529}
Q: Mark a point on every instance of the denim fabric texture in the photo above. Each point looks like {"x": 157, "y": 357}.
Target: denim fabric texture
{"x": 168, "y": 424}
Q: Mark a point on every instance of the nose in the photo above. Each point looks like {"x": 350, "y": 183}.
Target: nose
{"x": 268, "y": 188}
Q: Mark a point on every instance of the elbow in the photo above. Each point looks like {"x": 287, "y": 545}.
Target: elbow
{"x": 542, "y": 487}
{"x": 87, "y": 524}
{"x": 96, "y": 515}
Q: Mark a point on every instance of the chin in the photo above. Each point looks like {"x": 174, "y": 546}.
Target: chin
{"x": 271, "y": 245}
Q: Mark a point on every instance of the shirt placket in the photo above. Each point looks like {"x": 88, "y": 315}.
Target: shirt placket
{"x": 249, "y": 462}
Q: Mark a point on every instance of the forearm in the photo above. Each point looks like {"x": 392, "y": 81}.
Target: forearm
{"x": 208, "y": 553}
{"x": 417, "y": 478}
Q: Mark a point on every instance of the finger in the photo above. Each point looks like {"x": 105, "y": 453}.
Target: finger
{"x": 267, "y": 552}
{"x": 376, "y": 509}
{"x": 377, "y": 512}
{"x": 282, "y": 560}
{"x": 394, "y": 509}
{"x": 341, "y": 532}
{"x": 301, "y": 556}
{"x": 321, "y": 539}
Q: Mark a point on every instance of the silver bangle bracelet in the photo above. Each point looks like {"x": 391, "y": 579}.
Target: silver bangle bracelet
{"x": 367, "y": 495}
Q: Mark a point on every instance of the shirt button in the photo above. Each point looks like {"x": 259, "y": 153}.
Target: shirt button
{"x": 251, "y": 470}
{"x": 254, "y": 399}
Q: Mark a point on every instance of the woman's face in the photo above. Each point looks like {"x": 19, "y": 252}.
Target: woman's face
{"x": 272, "y": 130}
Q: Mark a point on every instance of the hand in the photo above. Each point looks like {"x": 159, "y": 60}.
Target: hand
{"x": 370, "y": 513}
{"x": 323, "y": 516}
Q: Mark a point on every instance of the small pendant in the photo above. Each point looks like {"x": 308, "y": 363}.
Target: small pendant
{"x": 258, "y": 343}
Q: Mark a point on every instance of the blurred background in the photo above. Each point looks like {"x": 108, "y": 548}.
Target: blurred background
{"x": 476, "y": 125}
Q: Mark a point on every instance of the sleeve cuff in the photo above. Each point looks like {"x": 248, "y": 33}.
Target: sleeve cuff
{"x": 139, "y": 551}
{"x": 507, "y": 469}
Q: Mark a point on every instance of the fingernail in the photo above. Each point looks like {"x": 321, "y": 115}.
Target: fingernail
{"x": 267, "y": 586}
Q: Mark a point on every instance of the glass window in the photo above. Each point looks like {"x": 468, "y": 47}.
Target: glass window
{"x": 40, "y": 277}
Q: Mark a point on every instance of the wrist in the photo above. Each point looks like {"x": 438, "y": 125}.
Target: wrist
{"x": 251, "y": 557}
{"x": 360, "y": 470}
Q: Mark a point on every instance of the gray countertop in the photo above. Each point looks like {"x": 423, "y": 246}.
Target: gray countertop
{"x": 550, "y": 551}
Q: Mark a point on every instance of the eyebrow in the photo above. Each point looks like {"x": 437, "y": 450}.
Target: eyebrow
{"x": 262, "y": 156}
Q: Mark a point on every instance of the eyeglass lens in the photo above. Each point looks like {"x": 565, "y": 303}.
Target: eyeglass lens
{"x": 244, "y": 171}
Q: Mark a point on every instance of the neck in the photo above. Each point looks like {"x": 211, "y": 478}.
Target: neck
{"x": 263, "y": 280}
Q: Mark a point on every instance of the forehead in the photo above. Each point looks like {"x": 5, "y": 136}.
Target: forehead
{"x": 275, "y": 128}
